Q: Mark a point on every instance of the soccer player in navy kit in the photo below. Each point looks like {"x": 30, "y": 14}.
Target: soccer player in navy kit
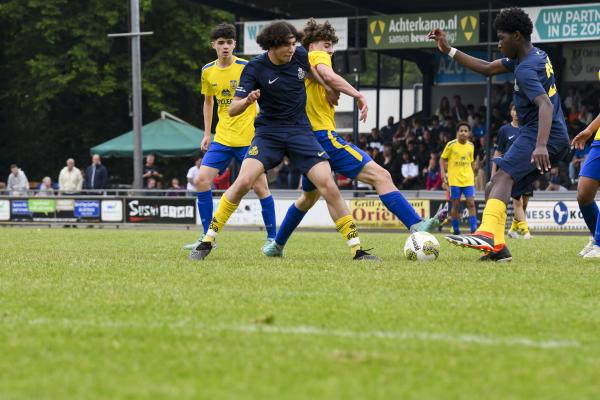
{"x": 276, "y": 80}
{"x": 543, "y": 140}
{"x": 507, "y": 134}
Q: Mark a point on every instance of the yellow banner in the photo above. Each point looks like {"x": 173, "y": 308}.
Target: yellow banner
{"x": 372, "y": 212}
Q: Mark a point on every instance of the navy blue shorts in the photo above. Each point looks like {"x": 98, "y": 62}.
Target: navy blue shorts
{"x": 591, "y": 165}
{"x": 456, "y": 191}
{"x": 299, "y": 144}
{"x": 517, "y": 161}
{"x": 219, "y": 156}
{"x": 345, "y": 158}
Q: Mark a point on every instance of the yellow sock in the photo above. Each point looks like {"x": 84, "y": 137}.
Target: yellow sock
{"x": 514, "y": 225}
{"x": 523, "y": 227}
{"x": 347, "y": 228}
{"x": 224, "y": 211}
{"x": 494, "y": 219}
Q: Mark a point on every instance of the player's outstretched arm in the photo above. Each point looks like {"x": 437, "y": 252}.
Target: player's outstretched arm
{"x": 339, "y": 84}
{"x": 475, "y": 64}
{"x": 240, "y": 104}
{"x": 583, "y": 136}
{"x": 540, "y": 155}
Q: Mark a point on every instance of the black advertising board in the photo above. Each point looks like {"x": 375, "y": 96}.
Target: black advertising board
{"x": 165, "y": 210}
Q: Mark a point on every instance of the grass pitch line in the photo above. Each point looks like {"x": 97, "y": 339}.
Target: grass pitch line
{"x": 316, "y": 331}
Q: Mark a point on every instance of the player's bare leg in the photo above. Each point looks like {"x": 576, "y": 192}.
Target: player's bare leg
{"x": 586, "y": 194}
{"x": 203, "y": 183}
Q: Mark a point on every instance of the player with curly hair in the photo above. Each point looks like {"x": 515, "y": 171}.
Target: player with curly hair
{"x": 345, "y": 158}
{"x": 543, "y": 140}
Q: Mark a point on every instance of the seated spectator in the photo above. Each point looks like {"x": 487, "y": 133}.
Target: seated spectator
{"x": 45, "y": 188}
{"x": 410, "y": 172}
{"x": 175, "y": 189}
{"x": 433, "y": 179}
{"x": 417, "y": 128}
{"x": 392, "y": 164}
{"x": 377, "y": 156}
{"x": 402, "y": 132}
{"x": 576, "y": 162}
{"x": 151, "y": 186}
{"x": 471, "y": 115}
{"x": 223, "y": 181}
{"x": 70, "y": 179}
{"x": 443, "y": 111}
{"x": 17, "y": 183}
{"x": 387, "y": 132}
{"x": 585, "y": 116}
{"x": 478, "y": 127}
{"x": 422, "y": 156}
{"x": 348, "y": 138}
{"x": 374, "y": 140}
{"x": 362, "y": 142}
{"x": 343, "y": 182}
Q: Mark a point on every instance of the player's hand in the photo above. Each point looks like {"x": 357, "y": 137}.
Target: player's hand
{"x": 580, "y": 140}
{"x": 442, "y": 41}
{"x": 363, "y": 108}
{"x": 205, "y": 142}
{"x": 332, "y": 96}
{"x": 253, "y": 96}
{"x": 541, "y": 158}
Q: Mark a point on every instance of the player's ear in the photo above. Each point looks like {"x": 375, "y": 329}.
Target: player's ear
{"x": 212, "y": 44}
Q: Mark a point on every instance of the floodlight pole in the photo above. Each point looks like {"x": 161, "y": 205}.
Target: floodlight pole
{"x": 136, "y": 88}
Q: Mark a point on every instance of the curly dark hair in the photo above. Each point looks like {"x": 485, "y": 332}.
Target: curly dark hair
{"x": 315, "y": 32}
{"x": 223, "y": 30}
{"x": 463, "y": 123}
{"x": 277, "y": 34}
{"x": 514, "y": 19}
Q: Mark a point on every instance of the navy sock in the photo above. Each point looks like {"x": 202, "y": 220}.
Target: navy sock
{"x": 268, "y": 214}
{"x": 290, "y": 222}
{"x": 590, "y": 215}
{"x": 455, "y": 228}
{"x": 205, "y": 208}
{"x": 401, "y": 208}
{"x": 473, "y": 223}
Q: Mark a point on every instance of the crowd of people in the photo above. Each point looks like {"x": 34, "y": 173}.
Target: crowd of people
{"x": 409, "y": 149}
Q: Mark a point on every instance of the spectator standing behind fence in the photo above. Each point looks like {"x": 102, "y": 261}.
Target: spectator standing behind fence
{"x": 96, "y": 175}
{"x": 191, "y": 176}
{"x": 46, "y": 188}
{"x": 17, "y": 183}
{"x": 388, "y": 131}
{"x": 70, "y": 179}
{"x": 459, "y": 111}
{"x": 150, "y": 170}
{"x": 175, "y": 189}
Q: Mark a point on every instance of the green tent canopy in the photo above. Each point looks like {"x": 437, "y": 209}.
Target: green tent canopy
{"x": 163, "y": 137}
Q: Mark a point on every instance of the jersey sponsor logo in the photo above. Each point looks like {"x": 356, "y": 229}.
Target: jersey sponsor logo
{"x": 272, "y": 81}
{"x": 253, "y": 151}
{"x": 226, "y": 93}
{"x": 224, "y": 102}
{"x": 301, "y": 73}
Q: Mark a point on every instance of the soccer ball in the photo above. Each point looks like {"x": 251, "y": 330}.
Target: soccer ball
{"x": 421, "y": 246}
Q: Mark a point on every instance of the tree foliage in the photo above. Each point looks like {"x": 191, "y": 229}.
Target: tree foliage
{"x": 65, "y": 86}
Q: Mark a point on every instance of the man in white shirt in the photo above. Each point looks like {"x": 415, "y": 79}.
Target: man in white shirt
{"x": 192, "y": 175}
{"x": 17, "y": 183}
{"x": 410, "y": 172}
{"x": 70, "y": 179}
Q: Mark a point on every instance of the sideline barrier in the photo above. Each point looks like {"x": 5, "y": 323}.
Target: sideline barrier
{"x": 547, "y": 211}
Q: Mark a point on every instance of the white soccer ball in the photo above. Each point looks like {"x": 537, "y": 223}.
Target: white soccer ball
{"x": 421, "y": 246}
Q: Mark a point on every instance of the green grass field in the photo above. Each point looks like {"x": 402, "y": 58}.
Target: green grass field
{"x": 116, "y": 314}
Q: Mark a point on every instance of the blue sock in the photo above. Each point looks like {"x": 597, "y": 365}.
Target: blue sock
{"x": 590, "y": 215}
{"x": 597, "y": 232}
{"x": 268, "y": 214}
{"x": 455, "y": 228}
{"x": 290, "y": 222}
{"x": 473, "y": 223}
{"x": 205, "y": 208}
{"x": 397, "y": 204}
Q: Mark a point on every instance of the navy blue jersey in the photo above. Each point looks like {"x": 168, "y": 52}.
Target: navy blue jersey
{"x": 506, "y": 136}
{"x": 534, "y": 76}
{"x": 282, "y": 92}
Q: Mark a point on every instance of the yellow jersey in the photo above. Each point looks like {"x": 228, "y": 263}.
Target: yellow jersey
{"x": 597, "y": 137}
{"x": 221, "y": 83}
{"x": 460, "y": 159}
{"x": 320, "y": 113}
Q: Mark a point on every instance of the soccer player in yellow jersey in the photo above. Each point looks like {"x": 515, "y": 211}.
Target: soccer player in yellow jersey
{"x": 457, "y": 159}
{"x": 233, "y": 136}
{"x": 345, "y": 158}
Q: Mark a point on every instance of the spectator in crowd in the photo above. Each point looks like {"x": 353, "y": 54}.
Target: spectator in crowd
{"x": 191, "y": 176}
{"x": 433, "y": 178}
{"x": 471, "y": 115}
{"x": 223, "y": 181}
{"x": 402, "y": 132}
{"x": 391, "y": 164}
{"x": 96, "y": 175}
{"x": 362, "y": 142}
{"x": 585, "y": 116}
{"x": 444, "y": 109}
{"x": 152, "y": 188}
{"x": 2, "y": 187}
{"x": 45, "y": 188}
{"x": 573, "y": 100}
{"x": 17, "y": 183}
{"x": 480, "y": 175}
{"x": 410, "y": 172}
{"x": 417, "y": 128}
{"x": 478, "y": 127}
{"x": 434, "y": 126}
{"x": 175, "y": 189}
{"x": 377, "y": 155}
{"x": 576, "y": 163}
{"x": 459, "y": 111}
{"x": 388, "y": 131}
{"x": 374, "y": 140}
{"x": 555, "y": 186}
{"x": 70, "y": 179}
{"x": 343, "y": 182}
{"x": 427, "y": 139}
{"x": 422, "y": 156}
{"x": 150, "y": 170}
